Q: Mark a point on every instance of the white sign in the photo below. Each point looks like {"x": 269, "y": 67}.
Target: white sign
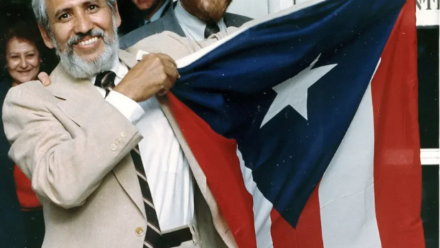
{"x": 428, "y": 12}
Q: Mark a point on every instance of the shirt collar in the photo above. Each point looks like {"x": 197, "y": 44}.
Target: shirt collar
{"x": 193, "y": 27}
{"x": 158, "y": 13}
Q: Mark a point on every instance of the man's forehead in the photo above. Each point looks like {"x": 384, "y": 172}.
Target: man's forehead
{"x": 57, "y": 5}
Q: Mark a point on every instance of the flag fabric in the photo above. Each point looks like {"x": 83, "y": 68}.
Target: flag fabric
{"x": 305, "y": 125}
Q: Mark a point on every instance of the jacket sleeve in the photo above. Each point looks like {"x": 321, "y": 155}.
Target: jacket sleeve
{"x": 65, "y": 164}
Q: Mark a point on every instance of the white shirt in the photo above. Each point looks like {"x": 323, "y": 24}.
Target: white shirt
{"x": 193, "y": 27}
{"x": 165, "y": 165}
{"x": 158, "y": 13}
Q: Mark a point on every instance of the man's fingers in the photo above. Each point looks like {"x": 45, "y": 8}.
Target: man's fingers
{"x": 155, "y": 66}
{"x": 171, "y": 71}
{"x": 162, "y": 92}
{"x": 167, "y": 58}
{"x": 44, "y": 78}
{"x": 168, "y": 84}
{"x": 174, "y": 68}
{"x": 167, "y": 62}
{"x": 164, "y": 57}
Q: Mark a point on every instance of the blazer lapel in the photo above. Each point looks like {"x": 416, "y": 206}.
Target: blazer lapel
{"x": 229, "y": 22}
{"x": 78, "y": 96}
{"x": 127, "y": 58}
{"x": 127, "y": 178}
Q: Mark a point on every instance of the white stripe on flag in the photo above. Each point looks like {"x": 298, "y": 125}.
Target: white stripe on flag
{"x": 346, "y": 192}
{"x": 262, "y": 207}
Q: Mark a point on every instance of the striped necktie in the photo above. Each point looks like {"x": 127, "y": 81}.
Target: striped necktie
{"x": 105, "y": 80}
{"x": 153, "y": 233}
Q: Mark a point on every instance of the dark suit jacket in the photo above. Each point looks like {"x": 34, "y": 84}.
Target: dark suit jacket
{"x": 169, "y": 23}
{"x": 12, "y": 232}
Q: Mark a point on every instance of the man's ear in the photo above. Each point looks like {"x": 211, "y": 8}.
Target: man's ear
{"x": 117, "y": 16}
{"x": 46, "y": 38}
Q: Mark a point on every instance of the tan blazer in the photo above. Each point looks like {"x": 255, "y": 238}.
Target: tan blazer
{"x": 75, "y": 148}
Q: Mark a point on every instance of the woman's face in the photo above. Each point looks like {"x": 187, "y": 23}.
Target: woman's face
{"x": 22, "y": 60}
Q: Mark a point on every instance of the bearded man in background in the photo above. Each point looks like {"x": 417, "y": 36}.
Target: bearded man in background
{"x": 195, "y": 19}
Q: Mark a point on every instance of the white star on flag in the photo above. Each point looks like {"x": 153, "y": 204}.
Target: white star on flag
{"x": 293, "y": 91}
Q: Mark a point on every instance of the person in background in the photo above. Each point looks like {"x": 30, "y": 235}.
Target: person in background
{"x": 194, "y": 19}
{"x": 151, "y": 10}
{"x": 137, "y": 13}
{"x": 23, "y": 59}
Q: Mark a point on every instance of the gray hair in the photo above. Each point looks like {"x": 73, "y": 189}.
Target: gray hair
{"x": 39, "y": 7}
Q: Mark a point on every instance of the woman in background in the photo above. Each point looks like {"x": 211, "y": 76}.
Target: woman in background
{"x": 23, "y": 59}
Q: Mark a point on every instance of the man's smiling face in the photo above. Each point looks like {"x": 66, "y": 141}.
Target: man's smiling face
{"x": 83, "y": 33}
{"x": 76, "y": 24}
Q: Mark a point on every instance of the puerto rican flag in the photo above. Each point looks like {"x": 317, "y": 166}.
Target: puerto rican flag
{"x": 305, "y": 125}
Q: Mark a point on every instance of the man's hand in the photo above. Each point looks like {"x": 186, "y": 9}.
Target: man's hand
{"x": 154, "y": 74}
{"x": 44, "y": 78}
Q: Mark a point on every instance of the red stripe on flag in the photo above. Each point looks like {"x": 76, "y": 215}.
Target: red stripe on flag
{"x": 283, "y": 234}
{"x": 308, "y": 232}
{"x": 309, "y": 224}
{"x": 217, "y": 156}
{"x": 397, "y": 169}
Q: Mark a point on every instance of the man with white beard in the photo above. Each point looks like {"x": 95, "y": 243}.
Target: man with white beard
{"x": 105, "y": 160}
